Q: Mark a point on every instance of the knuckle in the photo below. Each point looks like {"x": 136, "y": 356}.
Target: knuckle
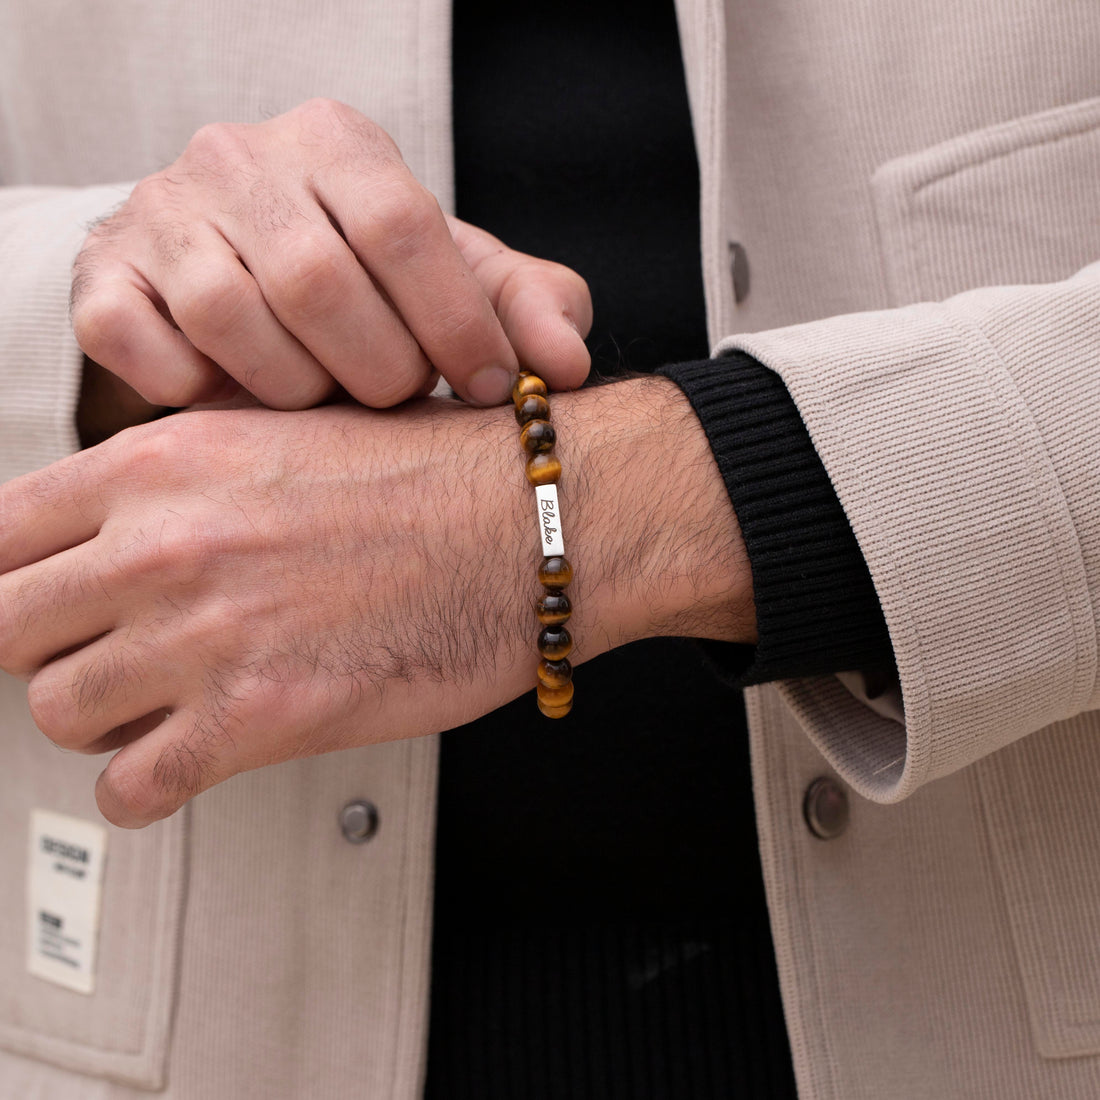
{"x": 146, "y": 192}
{"x": 328, "y": 109}
{"x": 399, "y": 219}
{"x": 211, "y": 308}
{"x": 310, "y": 274}
{"x": 101, "y": 319}
{"x": 167, "y": 559}
{"x": 171, "y": 237}
{"x": 356, "y": 133}
{"x": 216, "y": 143}
{"x": 146, "y": 453}
{"x": 187, "y": 550}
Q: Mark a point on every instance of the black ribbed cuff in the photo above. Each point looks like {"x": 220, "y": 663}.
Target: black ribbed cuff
{"x": 816, "y": 608}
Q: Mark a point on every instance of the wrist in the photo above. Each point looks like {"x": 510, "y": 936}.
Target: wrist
{"x": 649, "y": 528}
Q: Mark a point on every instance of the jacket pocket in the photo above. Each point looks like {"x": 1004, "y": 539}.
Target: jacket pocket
{"x": 1012, "y": 204}
{"x": 121, "y": 1030}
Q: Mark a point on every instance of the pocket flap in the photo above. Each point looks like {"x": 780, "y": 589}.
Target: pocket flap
{"x": 1011, "y": 204}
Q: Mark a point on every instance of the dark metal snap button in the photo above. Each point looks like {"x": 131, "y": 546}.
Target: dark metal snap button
{"x": 825, "y": 808}
{"x": 359, "y": 821}
{"x": 739, "y": 271}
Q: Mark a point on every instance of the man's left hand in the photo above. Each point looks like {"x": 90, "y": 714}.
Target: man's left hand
{"x": 222, "y": 590}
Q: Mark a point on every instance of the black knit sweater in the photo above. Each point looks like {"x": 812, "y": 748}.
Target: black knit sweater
{"x": 600, "y": 925}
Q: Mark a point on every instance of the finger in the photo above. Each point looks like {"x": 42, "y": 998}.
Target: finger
{"x": 52, "y": 606}
{"x": 50, "y": 510}
{"x": 314, "y": 284}
{"x": 545, "y": 307}
{"x": 97, "y": 697}
{"x": 215, "y": 301}
{"x": 429, "y": 385}
{"x": 152, "y": 777}
{"x": 397, "y": 231}
{"x": 124, "y": 734}
{"x": 118, "y": 325}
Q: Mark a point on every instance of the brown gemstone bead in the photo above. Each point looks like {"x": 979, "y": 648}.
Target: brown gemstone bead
{"x": 555, "y": 674}
{"x": 533, "y": 407}
{"x": 554, "y": 712}
{"x": 543, "y": 470}
{"x": 555, "y": 573}
{"x": 527, "y": 384}
{"x": 553, "y": 608}
{"x": 538, "y": 437}
{"x": 555, "y": 697}
{"x": 555, "y": 642}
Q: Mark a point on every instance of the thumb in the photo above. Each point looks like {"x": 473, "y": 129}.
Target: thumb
{"x": 544, "y": 307}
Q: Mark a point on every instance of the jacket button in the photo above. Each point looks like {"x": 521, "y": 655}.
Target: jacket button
{"x": 739, "y": 271}
{"x": 358, "y": 821}
{"x": 825, "y": 808}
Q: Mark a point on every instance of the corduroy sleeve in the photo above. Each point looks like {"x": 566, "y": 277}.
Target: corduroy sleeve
{"x": 41, "y": 231}
{"x": 963, "y": 441}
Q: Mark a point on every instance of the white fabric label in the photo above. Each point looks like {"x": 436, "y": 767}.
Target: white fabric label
{"x": 65, "y": 880}
{"x": 546, "y": 499}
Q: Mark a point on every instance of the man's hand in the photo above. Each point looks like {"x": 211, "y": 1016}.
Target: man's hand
{"x": 299, "y": 254}
{"x": 223, "y": 590}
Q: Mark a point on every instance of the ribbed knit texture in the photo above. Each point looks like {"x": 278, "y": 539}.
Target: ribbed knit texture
{"x": 816, "y": 607}
{"x": 601, "y": 928}
{"x": 681, "y": 1013}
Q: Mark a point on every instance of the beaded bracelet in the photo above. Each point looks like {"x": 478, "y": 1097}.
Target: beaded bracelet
{"x": 555, "y": 686}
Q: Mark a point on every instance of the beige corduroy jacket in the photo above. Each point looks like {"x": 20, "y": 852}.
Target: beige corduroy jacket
{"x": 867, "y": 155}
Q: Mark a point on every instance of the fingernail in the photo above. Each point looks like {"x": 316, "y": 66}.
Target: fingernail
{"x": 490, "y": 386}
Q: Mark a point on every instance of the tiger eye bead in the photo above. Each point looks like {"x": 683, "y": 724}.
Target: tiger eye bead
{"x": 555, "y": 572}
{"x": 555, "y": 697}
{"x": 533, "y": 407}
{"x": 555, "y": 674}
{"x": 555, "y": 642}
{"x": 538, "y": 437}
{"x": 527, "y": 384}
{"x": 543, "y": 470}
{"x": 554, "y": 712}
{"x": 553, "y": 608}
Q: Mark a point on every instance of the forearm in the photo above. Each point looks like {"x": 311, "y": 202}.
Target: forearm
{"x": 655, "y": 542}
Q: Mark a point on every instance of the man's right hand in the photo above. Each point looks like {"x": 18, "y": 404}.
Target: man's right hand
{"x": 298, "y": 255}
